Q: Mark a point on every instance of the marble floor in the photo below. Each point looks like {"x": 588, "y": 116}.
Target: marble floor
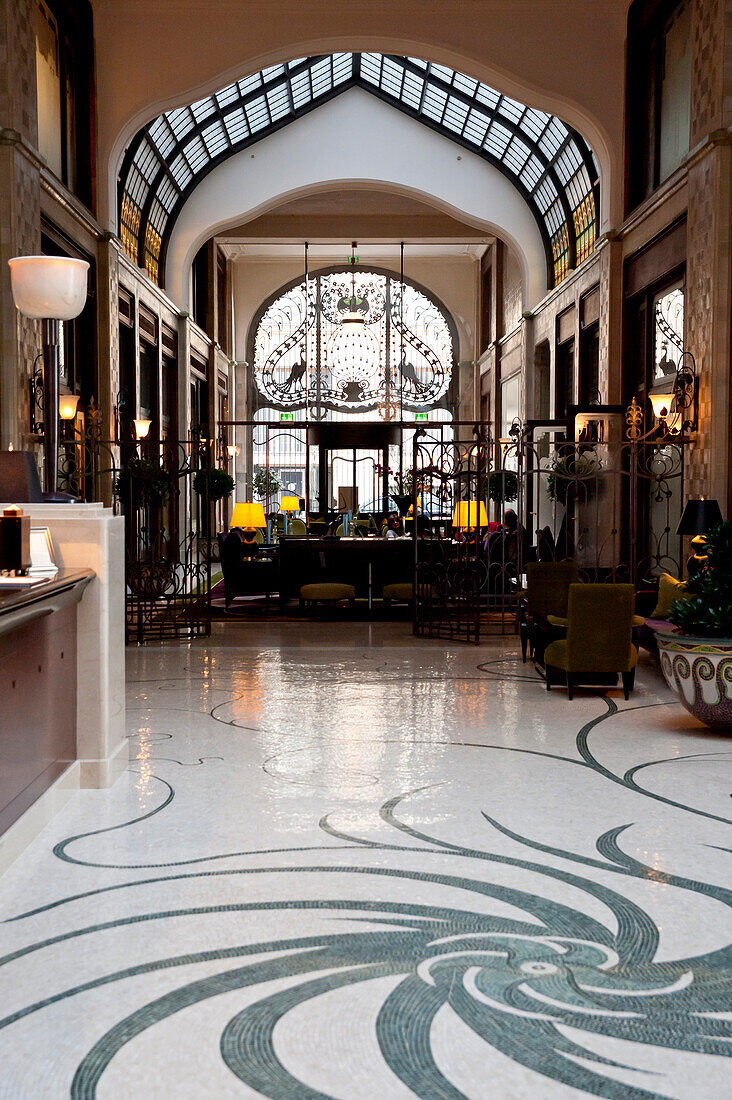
{"x": 345, "y": 865}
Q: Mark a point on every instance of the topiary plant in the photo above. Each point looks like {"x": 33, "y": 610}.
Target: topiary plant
{"x": 218, "y": 482}
{"x": 502, "y": 486}
{"x": 266, "y": 483}
{"x": 707, "y": 609}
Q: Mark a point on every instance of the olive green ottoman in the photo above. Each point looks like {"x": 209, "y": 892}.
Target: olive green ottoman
{"x": 327, "y": 592}
{"x": 403, "y": 592}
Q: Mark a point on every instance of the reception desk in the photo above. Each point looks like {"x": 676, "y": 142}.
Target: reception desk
{"x": 366, "y": 563}
{"x": 38, "y": 686}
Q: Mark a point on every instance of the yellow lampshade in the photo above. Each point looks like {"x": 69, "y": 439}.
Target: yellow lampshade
{"x": 290, "y": 504}
{"x": 142, "y": 427}
{"x": 67, "y": 403}
{"x": 248, "y": 515}
{"x": 411, "y": 506}
{"x": 469, "y": 514}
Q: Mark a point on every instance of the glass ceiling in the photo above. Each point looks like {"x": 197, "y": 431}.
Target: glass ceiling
{"x": 549, "y": 163}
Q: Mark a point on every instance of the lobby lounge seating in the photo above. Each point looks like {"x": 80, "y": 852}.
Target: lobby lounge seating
{"x": 367, "y": 564}
{"x": 652, "y": 606}
{"x": 329, "y": 593}
{"x": 598, "y": 644}
{"x": 547, "y": 591}
{"x": 399, "y": 592}
{"x": 245, "y": 575}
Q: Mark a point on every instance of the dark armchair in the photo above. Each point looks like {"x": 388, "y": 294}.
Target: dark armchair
{"x": 547, "y": 591}
{"x": 245, "y": 574}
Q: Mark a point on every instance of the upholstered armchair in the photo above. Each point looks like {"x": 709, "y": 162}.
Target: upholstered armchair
{"x": 599, "y": 626}
{"x": 547, "y": 589}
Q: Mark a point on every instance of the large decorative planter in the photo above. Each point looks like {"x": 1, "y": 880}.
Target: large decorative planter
{"x": 699, "y": 672}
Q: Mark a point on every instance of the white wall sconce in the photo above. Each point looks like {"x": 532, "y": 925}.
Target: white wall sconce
{"x": 142, "y": 427}
{"x": 50, "y": 289}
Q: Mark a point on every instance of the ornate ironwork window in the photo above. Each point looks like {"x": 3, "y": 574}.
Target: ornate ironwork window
{"x": 548, "y": 161}
{"x": 668, "y": 332}
{"x": 353, "y": 342}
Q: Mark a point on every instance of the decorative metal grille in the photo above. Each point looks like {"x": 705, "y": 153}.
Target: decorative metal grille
{"x": 373, "y": 344}
{"x": 550, "y": 164}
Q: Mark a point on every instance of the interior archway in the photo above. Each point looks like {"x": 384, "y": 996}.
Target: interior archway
{"x": 381, "y": 148}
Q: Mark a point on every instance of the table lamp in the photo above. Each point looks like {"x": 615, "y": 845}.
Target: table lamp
{"x": 247, "y": 515}
{"x": 288, "y": 505}
{"x": 698, "y": 517}
{"x": 470, "y": 514}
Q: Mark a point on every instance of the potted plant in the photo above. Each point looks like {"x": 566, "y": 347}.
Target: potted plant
{"x": 696, "y": 658}
{"x": 266, "y": 485}
{"x": 580, "y": 472}
{"x": 217, "y": 482}
{"x": 147, "y": 481}
{"x": 502, "y": 486}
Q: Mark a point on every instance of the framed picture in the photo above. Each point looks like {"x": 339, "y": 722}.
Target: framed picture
{"x": 43, "y": 556}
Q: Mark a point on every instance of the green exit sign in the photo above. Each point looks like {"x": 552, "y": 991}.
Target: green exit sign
{"x": 288, "y": 417}
{"x": 421, "y": 418}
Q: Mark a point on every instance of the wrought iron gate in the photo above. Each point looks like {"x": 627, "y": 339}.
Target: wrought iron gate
{"x": 609, "y": 495}
{"x": 450, "y": 575}
{"x": 163, "y": 489}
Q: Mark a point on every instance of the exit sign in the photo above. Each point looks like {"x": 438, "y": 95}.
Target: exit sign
{"x": 421, "y": 418}
{"x": 288, "y": 417}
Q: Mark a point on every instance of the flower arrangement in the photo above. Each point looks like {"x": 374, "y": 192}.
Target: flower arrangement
{"x": 401, "y": 486}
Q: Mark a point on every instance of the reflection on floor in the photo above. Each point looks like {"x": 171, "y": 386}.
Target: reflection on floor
{"x": 343, "y": 865}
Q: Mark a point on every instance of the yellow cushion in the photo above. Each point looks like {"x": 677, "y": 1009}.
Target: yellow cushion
{"x": 327, "y": 591}
{"x": 403, "y": 591}
{"x": 669, "y": 590}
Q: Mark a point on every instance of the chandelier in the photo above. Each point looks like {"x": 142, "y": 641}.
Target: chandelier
{"x": 353, "y": 350}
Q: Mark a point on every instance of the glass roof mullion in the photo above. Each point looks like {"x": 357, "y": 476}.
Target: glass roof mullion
{"x": 290, "y": 98}
{"x": 426, "y": 74}
{"x": 555, "y": 152}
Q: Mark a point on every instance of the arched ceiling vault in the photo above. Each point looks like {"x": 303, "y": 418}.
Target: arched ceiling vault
{"x": 547, "y": 161}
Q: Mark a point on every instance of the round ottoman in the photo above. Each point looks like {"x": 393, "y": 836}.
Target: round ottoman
{"x": 404, "y": 592}
{"x": 326, "y": 592}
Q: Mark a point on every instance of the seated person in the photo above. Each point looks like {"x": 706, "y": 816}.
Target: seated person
{"x": 393, "y": 526}
{"x": 505, "y": 548}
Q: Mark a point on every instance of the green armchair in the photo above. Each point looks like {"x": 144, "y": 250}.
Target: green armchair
{"x": 547, "y": 590}
{"x": 599, "y": 625}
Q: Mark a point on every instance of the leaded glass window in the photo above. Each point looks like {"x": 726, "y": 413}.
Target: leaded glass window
{"x": 353, "y": 342}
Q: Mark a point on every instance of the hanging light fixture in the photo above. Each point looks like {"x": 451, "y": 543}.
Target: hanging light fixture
{"x": 353, "y": 351}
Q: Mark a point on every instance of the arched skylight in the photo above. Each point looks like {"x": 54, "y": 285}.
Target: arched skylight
{"x": 548, "y": 161}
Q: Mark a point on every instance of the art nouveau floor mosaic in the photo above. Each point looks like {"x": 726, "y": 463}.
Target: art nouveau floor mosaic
{"x": 375, "y": 873}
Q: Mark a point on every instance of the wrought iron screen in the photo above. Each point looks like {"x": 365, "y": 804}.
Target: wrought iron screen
{"x": 163, "y": 489}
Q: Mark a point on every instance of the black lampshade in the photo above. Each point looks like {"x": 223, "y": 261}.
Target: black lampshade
{"x": 699, "y": 516}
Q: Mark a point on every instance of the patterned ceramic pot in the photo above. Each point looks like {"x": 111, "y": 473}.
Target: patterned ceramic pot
{"x": 699, "y": 672}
